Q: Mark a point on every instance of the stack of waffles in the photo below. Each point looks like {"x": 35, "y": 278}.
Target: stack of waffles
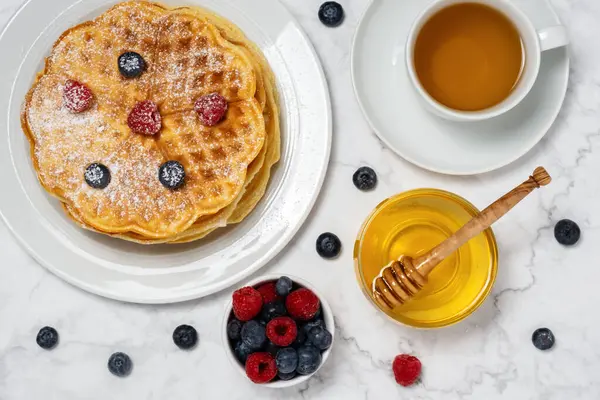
{"x": 188, "y": 54}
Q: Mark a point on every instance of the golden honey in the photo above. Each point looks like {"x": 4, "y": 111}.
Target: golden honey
{"x": 412, "y": 223}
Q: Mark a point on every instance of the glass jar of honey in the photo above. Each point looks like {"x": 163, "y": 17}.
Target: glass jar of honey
{"x": 412, "y": 223}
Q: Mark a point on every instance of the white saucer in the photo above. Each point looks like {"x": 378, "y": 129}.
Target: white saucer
{"x": 392, "y": 108}
{"x": 165, "y": 273}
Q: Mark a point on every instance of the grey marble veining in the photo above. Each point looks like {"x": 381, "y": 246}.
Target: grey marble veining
{"x": 488, "y": 356}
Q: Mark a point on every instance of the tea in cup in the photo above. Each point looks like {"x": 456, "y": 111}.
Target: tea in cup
{"x": 474, "y": 60}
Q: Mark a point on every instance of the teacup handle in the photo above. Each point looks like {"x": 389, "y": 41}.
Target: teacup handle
{"x": 553, "y": 37}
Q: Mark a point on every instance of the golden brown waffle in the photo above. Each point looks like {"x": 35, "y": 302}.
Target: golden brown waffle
{"x": 227, "y": 166}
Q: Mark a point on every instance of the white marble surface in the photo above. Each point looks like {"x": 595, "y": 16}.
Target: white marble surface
{"x": 488, "y": 356}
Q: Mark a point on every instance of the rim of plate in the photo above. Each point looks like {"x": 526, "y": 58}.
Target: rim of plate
{"x": 525, "y": 149}
{"x": 321, "y": 139}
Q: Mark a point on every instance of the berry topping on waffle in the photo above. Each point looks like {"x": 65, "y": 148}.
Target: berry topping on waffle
{"x": 131, "y": 64}
{"x": 211, "y": 109}
{"x": 77, "y": 97}
{"x": 145, "y": 118}
{"x": 172, "y": 175}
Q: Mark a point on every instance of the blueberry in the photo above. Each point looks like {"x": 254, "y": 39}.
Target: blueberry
{"x": 242, "y": 351}
{"x": 328, "y": 245}
{"x": 286, "y": 377}
{"x": 364, "y": 179}
{"x": 313, "y": 324}
{"x": 286, "y": 360}
{"x": 272, "y": 348}
{"x": 185, "y": 337}
{"x": 300, "y": 339}
{"x": 567, "y": 232}
{"x": 234, "y": 330}
{"x": 47, "y": 338}
{"x": 272, "y": 310}
{"x": 319, "y": 337}
{"x": 172, "y": 175}
{"x": 119, "y": 364}
{"x": 97, "y": 176}
{"x": 331, "y": 14}
{"x": 309, "y": 359}
{"x": 131, "y": 64}
{"x": 253, "y": 335}
{"x": 283, "y": 286}
{"x": 543, "y": 338}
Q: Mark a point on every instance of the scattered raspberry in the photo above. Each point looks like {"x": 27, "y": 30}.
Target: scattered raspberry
{"x": 247, "y": 303}
{"x": 211, "y": 108}
{"x": 302, "y": 304}
{"x": 407, "y": 369}
{"x": 261, "y": 367}
{"x": 145, "y": 118}
{"x": 268, "y": 292}
{"x": 282, "y": 331}
{"x": 77, "y": 97}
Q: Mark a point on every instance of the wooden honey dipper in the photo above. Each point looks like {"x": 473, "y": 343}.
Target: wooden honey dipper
{"x": 400, "y": 280}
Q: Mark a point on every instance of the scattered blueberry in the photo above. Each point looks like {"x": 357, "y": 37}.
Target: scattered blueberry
{"x": 328, "y": 245}
{"x": 567, "y": 232}
{"x": 47, "y": 338}
{"x": 253, "y": 335}
{"x": 309, "y": 359}
{"x": 286, "y": 377}
{"x": 286, "y": 360}
{"x": 331, "y": 14}
{"x": 242, "y": 351}
{"x": 185, "y": 337}
{"x": 172, "y": 175}
{"x": 319, "y": 337}
{"x": 543, "y": 338}
{"x": 272, "y": 348}
{"x": 364, "y": 179}
{"x": 119, "y": 364}
{"x": 234, "y": 330}
{"x": 283, "y": 286}
{"x": 97, "y": 176}
{"x": 131, "y": 64}
{"x": 272, "y": 310}
{"x": 300, "y": 339}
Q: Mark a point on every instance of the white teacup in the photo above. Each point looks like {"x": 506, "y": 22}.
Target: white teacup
{"x": 534, "y": 42}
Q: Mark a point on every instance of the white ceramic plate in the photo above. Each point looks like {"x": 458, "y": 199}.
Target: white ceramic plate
{"x": 165, "y": 273}
{"x": 392, "y": 108}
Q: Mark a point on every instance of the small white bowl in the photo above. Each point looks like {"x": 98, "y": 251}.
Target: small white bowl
{"x": 327, "y": 318}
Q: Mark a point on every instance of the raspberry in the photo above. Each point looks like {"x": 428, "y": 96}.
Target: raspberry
{"x": 406, "y": 369}
{"x": 247, "y": 303}
{"x": 282, "y": 331}
{"x": 268, "y": 293}
{"x": 145, "y": 118}
{"x": 302, "y": 304}
{"x": 77, "y": 97}
{"x": 211, "y": 108}
{"x": 261, "y": 367}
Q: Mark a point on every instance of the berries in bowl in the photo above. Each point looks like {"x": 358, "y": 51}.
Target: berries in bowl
{"x": 278, "y": 331}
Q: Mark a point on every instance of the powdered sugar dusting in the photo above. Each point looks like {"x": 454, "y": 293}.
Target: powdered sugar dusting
{"x": 215, "y": 159}
{"x": 194, "y": 60}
